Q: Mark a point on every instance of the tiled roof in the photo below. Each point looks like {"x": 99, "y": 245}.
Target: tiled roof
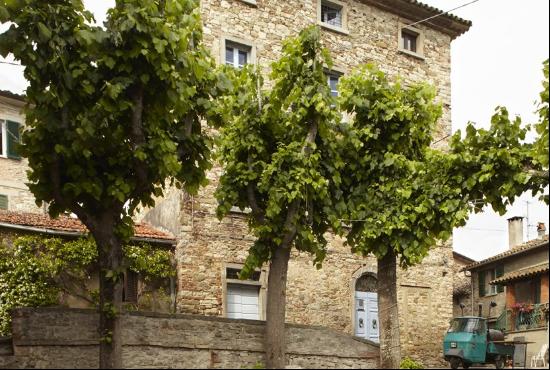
{"x": 522, "y": 273}
{"x": 9, "y": 94}
{"x": 519, "y": 249}
{"x": 72, "y": 225}
{"x": 415, "y": 11}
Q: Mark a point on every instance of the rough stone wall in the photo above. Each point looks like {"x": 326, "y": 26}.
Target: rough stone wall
{"x": 462, "y": 288}
{"x": 315, "y": 297}
{"x": 62, "y": 338}
{"x": 318, "y": 297}
{"x": 13, "y": 171}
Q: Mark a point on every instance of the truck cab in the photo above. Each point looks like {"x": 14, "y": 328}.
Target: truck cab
{"x": 466, "y": 341}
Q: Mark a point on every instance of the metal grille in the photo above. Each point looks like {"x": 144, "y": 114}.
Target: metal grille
{"x": 331, "y": 14}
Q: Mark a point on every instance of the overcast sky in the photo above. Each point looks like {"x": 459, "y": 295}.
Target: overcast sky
{"x": 497, "y": 62}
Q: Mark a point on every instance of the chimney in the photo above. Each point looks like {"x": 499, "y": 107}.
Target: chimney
{"x": 515, "y": 231}
{"x": 541, "y": 230}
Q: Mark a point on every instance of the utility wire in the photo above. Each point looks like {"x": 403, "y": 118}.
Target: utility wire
{"x": 440, "y": 14}
{"x": 11, "y": 63}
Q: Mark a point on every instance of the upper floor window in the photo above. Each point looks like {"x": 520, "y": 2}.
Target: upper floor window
{"x": 3, "y": 201}
{"x": 331, "y": 13}
{"x": 484, "y": 279}
{"x": 237, "y": 55}
{"x": 9, "y": 138}
{"x": 411, "y": 41}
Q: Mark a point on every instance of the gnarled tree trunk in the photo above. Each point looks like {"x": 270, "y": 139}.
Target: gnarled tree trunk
{"x": 275, "y": 340}
{"x": 388, "y": 312}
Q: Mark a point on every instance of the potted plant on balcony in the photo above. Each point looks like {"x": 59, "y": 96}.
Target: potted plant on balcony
{"x": 522, "y": 313}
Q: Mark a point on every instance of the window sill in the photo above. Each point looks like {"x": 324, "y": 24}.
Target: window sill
{"x": 250, "y": 2}
{"x": 412, "y": 54}
{"x": 329, "y": 27}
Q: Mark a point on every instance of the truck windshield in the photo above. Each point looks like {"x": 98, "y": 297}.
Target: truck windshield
{"x": 463, "y": 325}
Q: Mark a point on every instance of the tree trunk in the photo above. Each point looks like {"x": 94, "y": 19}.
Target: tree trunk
{"x": 275, "y": 340}
{"x": 390, "y": 344}
{"x": 110, "y": 301}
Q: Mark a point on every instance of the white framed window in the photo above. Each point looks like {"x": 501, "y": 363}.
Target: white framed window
{"x": 332, "y": 15}
{"x": 333, "y": 79}
{"x": 411, "y": 41}
{"x": 244, "y": 299}
{"x": 237, "y": 54}
{"x": 9, "y": 138}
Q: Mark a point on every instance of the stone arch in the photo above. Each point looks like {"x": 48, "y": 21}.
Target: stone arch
{"x": 367, "y": 283}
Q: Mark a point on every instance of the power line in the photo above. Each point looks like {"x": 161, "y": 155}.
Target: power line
{"x": 440, "y": 14}
{"x": 11, "y": 63}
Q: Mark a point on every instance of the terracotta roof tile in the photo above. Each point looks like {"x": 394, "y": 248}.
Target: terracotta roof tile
{"x": 522, "y": 273}
{"x": 518, "y": 249}
{"x": 69, "y": 224}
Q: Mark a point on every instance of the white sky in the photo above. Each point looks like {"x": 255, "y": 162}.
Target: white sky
{"x": 497, "y": 62}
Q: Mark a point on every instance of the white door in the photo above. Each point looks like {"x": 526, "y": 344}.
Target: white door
{"x": 243, "y": 302}
{"x": 366, "y": 316}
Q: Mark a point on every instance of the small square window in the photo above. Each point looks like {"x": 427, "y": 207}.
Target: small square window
{"x": 3, "y": 202}
{"x": 237, "y": 55}
{"x": 332, "y": 14}
{"x": 333, "y": 79}
{"x": 409, "y": 40}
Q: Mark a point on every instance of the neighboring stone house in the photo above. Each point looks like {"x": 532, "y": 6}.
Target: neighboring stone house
{"x": 517, "y": 281}
{"x": 462, "y": 286}
{"x": 136, "y": 292}
{"x": 14, "y": 194}
{"x": 342, "y": 295}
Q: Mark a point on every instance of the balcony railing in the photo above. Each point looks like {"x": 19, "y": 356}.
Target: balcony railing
{"x": 532, "y": 316}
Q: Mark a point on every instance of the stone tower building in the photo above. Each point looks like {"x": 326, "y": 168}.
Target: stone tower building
{"x": 342, "y": 295}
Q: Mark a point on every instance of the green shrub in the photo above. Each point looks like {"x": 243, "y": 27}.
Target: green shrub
{"x": 408, "y": 363}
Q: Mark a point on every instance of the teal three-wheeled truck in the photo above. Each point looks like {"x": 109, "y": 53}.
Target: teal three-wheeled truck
{"x": 469, "y": 342}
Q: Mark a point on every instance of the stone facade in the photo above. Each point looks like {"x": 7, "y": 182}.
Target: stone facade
{"x": 462, "y": 285}
{"x": 13, "y": 172}
{"x": 62, "y": 338}
{"x": 324, "y": 297}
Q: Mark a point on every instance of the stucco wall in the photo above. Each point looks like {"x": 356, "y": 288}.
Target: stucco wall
{"x": 13, "y": 171}
{"x": 62, "y": 338}
{"x": 510, "y": 264}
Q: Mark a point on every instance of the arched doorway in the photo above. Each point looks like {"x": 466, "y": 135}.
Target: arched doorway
{"x": 366, "y": 307}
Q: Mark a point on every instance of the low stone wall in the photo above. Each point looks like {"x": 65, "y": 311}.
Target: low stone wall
{"x": 67, "y": 338}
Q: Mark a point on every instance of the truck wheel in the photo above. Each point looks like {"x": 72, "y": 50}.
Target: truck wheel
{"x": 500, "y": 363}
{"x": 455, "y": 362}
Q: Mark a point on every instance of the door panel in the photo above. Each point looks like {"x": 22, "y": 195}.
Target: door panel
{"x": 243, "y": 302}
{"x": 366, "y": 316}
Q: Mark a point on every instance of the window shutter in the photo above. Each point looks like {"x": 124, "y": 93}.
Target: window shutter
{"x": 130, "y": 287}
{"x": 537, "y": 286}
{"x": 499, "y": 273}
{"x": 13, "y": 139}
{"x": 3, "y": 201}
{"x": 481, "y": 281}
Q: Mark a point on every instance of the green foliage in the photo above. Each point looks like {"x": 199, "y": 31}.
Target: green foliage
{"x": 114, "y": 111}
{"x": 404, "y": 195}
{"x": 270, "y": 164}
{"x": 35, "y": 270}
{"x": 408, "y": 363}
{"x": 541, "y": 144}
